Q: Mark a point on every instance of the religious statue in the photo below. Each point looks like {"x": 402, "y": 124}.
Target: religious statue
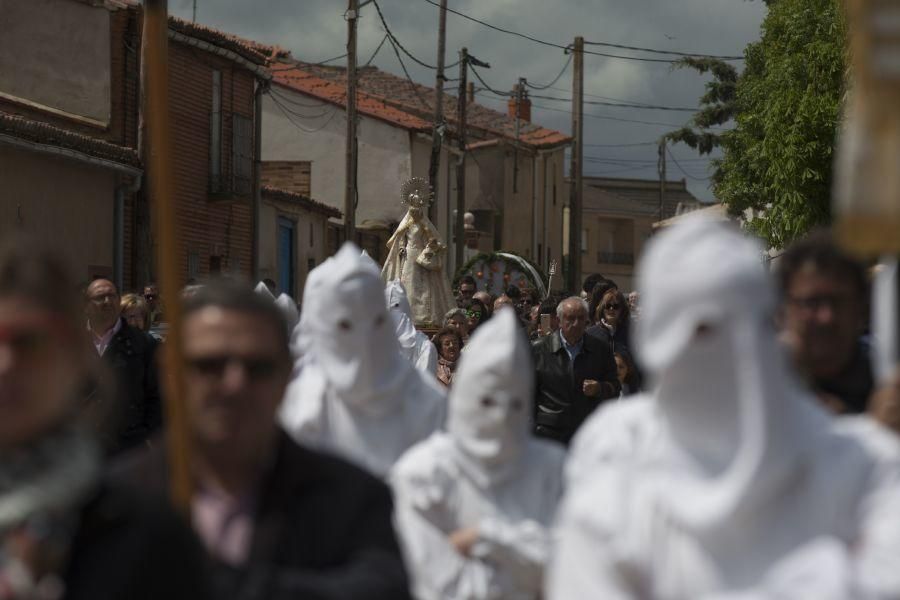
{"x": 416, "y": 257}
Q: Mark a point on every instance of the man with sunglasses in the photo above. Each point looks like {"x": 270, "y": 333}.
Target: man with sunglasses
{"x": 279, "y": 520}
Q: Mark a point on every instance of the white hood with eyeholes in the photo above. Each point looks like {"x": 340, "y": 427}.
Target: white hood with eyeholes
{"x": 486, "y": 471}
{"x": 355, "y": 394}
{"x": 728, "y": 476}
{"x": 414, "y": 345}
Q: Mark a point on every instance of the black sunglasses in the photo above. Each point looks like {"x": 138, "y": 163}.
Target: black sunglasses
{"x": 214, "y": 366}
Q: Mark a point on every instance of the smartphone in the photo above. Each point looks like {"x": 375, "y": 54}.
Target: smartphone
{"x": 545, "y": 324}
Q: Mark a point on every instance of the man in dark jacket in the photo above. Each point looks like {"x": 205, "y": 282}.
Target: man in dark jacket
{"x": 280, "y": 521}
{"x": 823, "y": 316}
{"x": 131, "y": 355}
{"x": 575, "y": 373}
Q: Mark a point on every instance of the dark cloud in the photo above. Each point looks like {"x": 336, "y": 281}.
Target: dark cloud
{"x": 316, "y": 30}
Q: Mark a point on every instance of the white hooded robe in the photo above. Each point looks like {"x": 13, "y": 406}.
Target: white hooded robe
{"x": 353, "y": 393}
{"x": 414, "y": 345}
{"x": 728, "y": 481}
{"x": 486, "y": 471}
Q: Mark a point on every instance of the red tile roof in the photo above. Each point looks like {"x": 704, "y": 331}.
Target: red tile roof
{"x": 304, "y": 201}
{"x": 335, "y": 92}
{"x": 416, "y": 99}
{"x": 50, "y": 135}
{"x": 253, "y": 51}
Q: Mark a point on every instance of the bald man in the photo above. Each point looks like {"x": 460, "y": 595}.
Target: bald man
{"x": 131, "y": 356}
{"x": 575, "y": 373}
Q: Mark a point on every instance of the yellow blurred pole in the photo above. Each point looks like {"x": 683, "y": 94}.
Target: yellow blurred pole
{"x": 867, "y": 177}
{"x": 161, "y": 198}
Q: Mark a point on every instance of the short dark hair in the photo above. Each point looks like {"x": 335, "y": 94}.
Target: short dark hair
{"x": 514, "y": 292}
{"x": 548, "y": 306}
{"x": 467, "y": 279}
{"x": 820, "y": 251}
{"x": 474, "y": 303}
{"x": 590, "y": 281}
{"x": 31, "y": 270}
{"x": 232, "y": 295}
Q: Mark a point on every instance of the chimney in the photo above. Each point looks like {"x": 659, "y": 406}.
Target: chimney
{"x": 470, "y": 92}
{"x": 524, "y": 112}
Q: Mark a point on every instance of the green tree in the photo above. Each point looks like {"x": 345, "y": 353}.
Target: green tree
{"x": 786, "y": 106}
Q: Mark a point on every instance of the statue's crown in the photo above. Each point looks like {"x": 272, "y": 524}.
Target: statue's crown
{"x": 416, "y": 193}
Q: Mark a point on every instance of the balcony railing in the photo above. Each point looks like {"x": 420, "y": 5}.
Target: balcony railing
{"x": 615, "y": 258}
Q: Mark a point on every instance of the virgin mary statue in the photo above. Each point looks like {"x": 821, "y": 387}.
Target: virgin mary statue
{"x": 416, "y": 257}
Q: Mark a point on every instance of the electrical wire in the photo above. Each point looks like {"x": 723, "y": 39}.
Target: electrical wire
{"x": 680, "y": 168}
{"x": 377, "y": 50}
{"x": 413, "y": 85}
{"x": 287, "y": 115}
{"x": 670, "y": 52}
{"x": 486, "y": 86}
{"x": 609, "y": 118}
{"x": 397, "y": 42}
{"x": 567, "y": 47}
{"x": 555, "y": 79}
{"x": 293, "y": 101}
{"x": 620, "y": 104}
{"x": 634, "y": 145}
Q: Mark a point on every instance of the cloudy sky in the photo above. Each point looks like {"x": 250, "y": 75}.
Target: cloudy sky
{"x": 315, "y": 30}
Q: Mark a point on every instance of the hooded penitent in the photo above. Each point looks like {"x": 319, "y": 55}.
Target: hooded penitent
{"x": 414, "y": 345}
{"x": 728, "y": 476}
{"x": 355, "y": 394}
{"x": 288, "y": 308}
{"x": 486, "y": 472}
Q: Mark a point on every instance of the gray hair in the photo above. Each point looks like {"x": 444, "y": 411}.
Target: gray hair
{"x": 572, "y": 300}
{"x": 454, "y": 312}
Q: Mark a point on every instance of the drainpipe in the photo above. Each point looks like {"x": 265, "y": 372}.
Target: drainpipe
{"x": 122, "y": 191}
{"x": 257, "y": 176}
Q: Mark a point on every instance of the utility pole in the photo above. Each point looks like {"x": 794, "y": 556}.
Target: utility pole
{"x": 462, "y": 101}
{"x": 195, "y": 11}
{"x": 520, "y": 89}
{"x": 350, "y": 190}
{"x": 575, "y": 170}
{"x": 437, "y": 134}
{"x": 661, "y": 169}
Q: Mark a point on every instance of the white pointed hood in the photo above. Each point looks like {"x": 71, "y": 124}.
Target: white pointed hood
{"x": 288, "y": 308}
{"x": 263, "y": 290}
{"x": 348, "y": 333}
{"x": 491, "y": 399}
{"x": 736, "y": 418}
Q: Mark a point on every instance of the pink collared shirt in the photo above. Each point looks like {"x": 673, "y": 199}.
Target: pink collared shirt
{"x": 102, "y": 342}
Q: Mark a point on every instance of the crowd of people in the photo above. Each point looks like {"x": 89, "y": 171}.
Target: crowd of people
{"x": 716, "y": 434}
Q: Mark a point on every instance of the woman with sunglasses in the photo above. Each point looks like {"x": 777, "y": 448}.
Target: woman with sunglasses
{"x": 63, "y": 531}
{"x": 476, "y": 312}
{"x": 613, "y": 320}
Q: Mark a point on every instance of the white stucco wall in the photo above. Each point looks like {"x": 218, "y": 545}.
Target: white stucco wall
{"x": 56, "y": 54}
{"x": 385, "y": 159}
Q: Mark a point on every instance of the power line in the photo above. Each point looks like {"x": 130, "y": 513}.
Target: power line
{"x": 275, "y": 92}
{"x": 555, "y": 79}
{"x": 568, "y": 46}
{"x": 287, "y": 115}
{"x": 634, "y": 145}
{"x": 655, "y": 51}
{"x": 609, "y": 118}
{"x": 377, "y": 50}
{"x": 412, "y": 84}
{"x": 486, "y": 86}
{"x": 397, "y": 42}
{"x": 620, "y": 104}
{"x": 680, "y": 168}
